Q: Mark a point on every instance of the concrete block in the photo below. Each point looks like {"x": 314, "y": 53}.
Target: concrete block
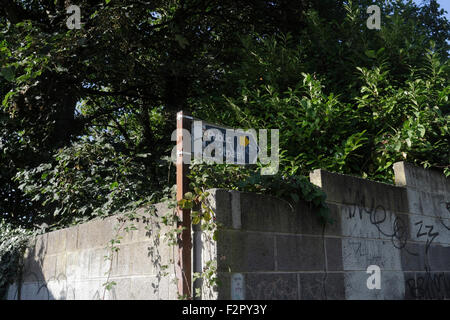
{"x": 223, "y": 290}
{"x": 126, "y": 234}
{"x": 90, "y": 290}
{"x": 35, "y": 291}
{"x": 97, "y": 233}
{"x": 300, "y": 253}
{"x": 61, "y": 264}
{"x": 160, "y": 254}
{"x": 220, "y": 201}
{"x": 71, "y": 289}
{"x": 72, "y": 266}
{"x": 83, "y": 237}
{"x": 312, "y": 286}
{"x": 260, "y": 213}
{"x": 376, "y": 223}
{"x": 428, "y": 230}
{"x": 392, "y": 286}
{"x": 413, "y": 257}
{"x": 361, "y": 192}
{"x": 32, "y": 270}
{"x": 122, "y": 263}
{"x": 410, "y": 286}
{"x": 40, "y": 246}
{"x": 322, "y": 286}
{"x": 428, "y": 204}
{"x": 334, "y": 254}
{"x": 56, "y": 241}
{"x": 172, "y": 287}
{"x": 236, "y": 214}
{"x": 400, "y": 232}
{"x": 334, "y": 286}
{"x": 271, "y": 286}
{"x": 439, "y": 258}
{"x": 134, "y": 259}
{"x": 357, "y": 221}
{"x": 269, "y": 214}
{"x": 358, "y": 254}
{"x": 148, "y": 230}
{"x": 149, "y": 288}
{"x": 153, "y": 257}
{"x": 57, "y": 288}
{"x": 415, "y": 177}
{"x": 49, "y": 267}
{"x": 77, "y": 265}
{"x": 307, "y": 221}
{"x": 430, "y": 285}
{"x": 120, "y": 291}
{"x": 209, "y": 249}
{"x": 12, "y": 292}
{"x": 245, "y": 252}
{"x": 335, "y": 228}
{"x": 71, "y": 238}
{"x": 315, "y": 177}
{"x": 446, "y": 284}
{"x": 98, "y": 266}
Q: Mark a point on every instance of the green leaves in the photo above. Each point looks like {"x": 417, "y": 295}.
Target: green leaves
{"x": 292, "y": 188}
{"x": 113, "y": 185}
{"x": 14, "y": 241}
{"x": 109, "y": 285}
{"x": 189, "y": 195}
{"x": 186, "y": 204}
{"x": 8, "y": 73}
{"x": 370, "y": 53}
{"x": 88, "y": 179}
{"x": 341, "y": 101}
{"x": 9, "y": 95}
{"x": 182, "y": 41}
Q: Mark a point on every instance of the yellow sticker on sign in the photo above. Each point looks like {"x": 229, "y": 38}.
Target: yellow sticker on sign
{"x": 244, "y": 141}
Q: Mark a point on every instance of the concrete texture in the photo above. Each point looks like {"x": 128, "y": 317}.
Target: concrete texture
{"x": 283, "y": 252}
{"x": 268, "y": 248}
{"x": 70, "y": 263}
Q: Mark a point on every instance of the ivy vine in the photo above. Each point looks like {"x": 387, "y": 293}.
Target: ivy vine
{"x": 12, "y": 249}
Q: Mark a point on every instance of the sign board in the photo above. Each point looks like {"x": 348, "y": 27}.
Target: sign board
{"x": 221, "y": 144}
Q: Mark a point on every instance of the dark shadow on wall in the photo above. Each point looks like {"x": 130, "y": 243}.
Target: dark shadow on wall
{"x": 31, "y": 283}
{"x": 41, "y": 280}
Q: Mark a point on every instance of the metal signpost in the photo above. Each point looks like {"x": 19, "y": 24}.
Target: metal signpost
{"x": 183, "y": 270}
{"x": 237, "y": 147}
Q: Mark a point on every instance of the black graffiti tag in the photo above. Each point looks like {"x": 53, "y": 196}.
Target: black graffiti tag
{"x": 430, "y": 234}
{"x": 378, "y": 215}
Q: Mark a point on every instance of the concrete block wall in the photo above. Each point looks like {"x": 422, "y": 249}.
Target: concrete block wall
{"x": 70, "y": 263}
{"x": 270, "y": 250}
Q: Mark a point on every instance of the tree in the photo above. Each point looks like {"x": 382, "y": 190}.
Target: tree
{"x": 87, "y": 114}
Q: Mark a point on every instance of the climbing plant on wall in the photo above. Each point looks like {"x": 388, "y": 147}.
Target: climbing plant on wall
{"x": 87, "y": 115}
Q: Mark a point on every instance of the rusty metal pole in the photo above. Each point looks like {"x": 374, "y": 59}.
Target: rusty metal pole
{"x": 184, "y": 272}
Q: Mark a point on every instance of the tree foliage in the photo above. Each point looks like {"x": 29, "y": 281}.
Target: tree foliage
{"x": 87, "y": 115}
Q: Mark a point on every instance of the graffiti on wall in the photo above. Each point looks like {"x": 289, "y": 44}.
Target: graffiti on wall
{"x": 392, "y": 226}
{"x": 427, "y": 284}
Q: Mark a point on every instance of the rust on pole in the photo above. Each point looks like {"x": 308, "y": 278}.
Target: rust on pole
{"x": 183, "y": 268}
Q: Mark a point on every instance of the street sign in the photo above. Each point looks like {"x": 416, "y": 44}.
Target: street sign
{"x": 208, "y": 142}
{"x": 222, "y": 144}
